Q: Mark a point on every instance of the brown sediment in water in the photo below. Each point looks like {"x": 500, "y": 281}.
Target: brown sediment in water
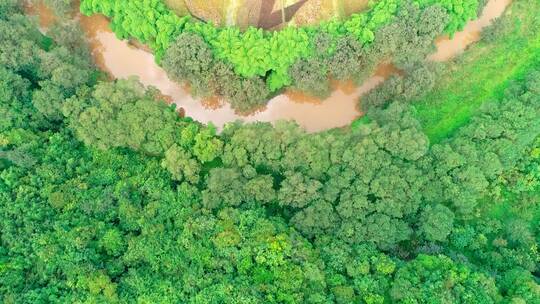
{"x": 167, "y": 99}
{"x": 186, "y": 87}
{"x": 386, "y": 70}
{"x": 245, "y": 114}
{"x": 346, "y": 86}
{"x": 122, "y": 60}
{"x": 349, "y": 87}
{"x": 102, "y": 41}
{"x": 140, "y": 46}
{"x": 212, "y": 103}
{"x": 299, "y": 97}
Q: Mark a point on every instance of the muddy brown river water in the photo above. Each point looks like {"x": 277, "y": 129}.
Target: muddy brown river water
{"x": 122, "y": 60}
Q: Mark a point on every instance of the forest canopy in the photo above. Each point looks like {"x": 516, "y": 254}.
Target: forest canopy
{"x": 107, "y": 195}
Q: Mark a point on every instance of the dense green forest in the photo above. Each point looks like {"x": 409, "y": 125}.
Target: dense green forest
{"x": 107, "y": 195}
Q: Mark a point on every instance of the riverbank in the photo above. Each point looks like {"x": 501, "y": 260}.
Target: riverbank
{"x": 117, "y": 57}
{"x": 483, "y": 72}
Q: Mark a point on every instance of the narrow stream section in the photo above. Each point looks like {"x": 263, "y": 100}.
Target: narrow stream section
{"x": 448, "y": 48}
{"x": 122, "y": 60}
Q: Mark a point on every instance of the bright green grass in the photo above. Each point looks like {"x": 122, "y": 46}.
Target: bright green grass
{"x": 482, "y": 73}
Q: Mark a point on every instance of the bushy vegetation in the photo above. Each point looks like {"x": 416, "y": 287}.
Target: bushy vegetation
{"x": 108, "y": 196}
{"x": 416, "y": 82}
{"x": 507, "y": 51}
{"x": 190, "y": 59}
{"x": 255, "y": 53}
{"x": 61, "y": 7}
{"x": 460, "y": 12}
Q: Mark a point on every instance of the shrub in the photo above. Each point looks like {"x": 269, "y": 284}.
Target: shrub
{"x": 311, "y": 77}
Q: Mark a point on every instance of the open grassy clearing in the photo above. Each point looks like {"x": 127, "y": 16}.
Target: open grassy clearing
{"x": 483, "y": 72}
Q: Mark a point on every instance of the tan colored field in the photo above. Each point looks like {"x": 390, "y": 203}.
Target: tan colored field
{"x": 267, "y": 13}
{"x": 179, "y": 6}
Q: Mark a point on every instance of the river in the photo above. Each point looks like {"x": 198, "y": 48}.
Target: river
{"x": 448, "y": 48}
{"x": 121, "y": 60}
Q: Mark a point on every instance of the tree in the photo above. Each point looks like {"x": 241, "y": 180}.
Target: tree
{"x": 121, "y": 114}
{"x": 15, "y": 104}
{"x": 311, "y": 76}
{"x": 9, "y": 8}
{"x": 297, "y": 191}
{"x": 417, "y": 81}
{"x": 438, "y": 278}
{"x": 350, "y": 60}
{"x": 436, "y": 222}
{"x": 318, "y": 218}
{"x": 410, "y": 39}
{"x": 181, "y": 165}
{"x": 246, "y": 95}
{"x": 230, "y": 187}
{"x": 520, "y": 287}
{"x": 189, "y": 59}
{"x": 460, "y": 12}
{"x": 21, "y": 45}
{"x": 261, "y": 189}
{"x": 310, "y": 155}
{"x": 260, "y": 145}
{"x": 69, "y": 34}
{"x": 64, "y": 72}
{"x": 207, "y": 146}
{"x": 358, "y": 272}
{"x": 48, "y": 101}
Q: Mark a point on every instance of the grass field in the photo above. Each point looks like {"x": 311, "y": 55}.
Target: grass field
{"x": 482, "y": 73}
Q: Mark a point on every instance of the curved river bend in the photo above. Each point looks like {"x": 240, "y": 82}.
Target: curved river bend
{"x": 122, "y": 60}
